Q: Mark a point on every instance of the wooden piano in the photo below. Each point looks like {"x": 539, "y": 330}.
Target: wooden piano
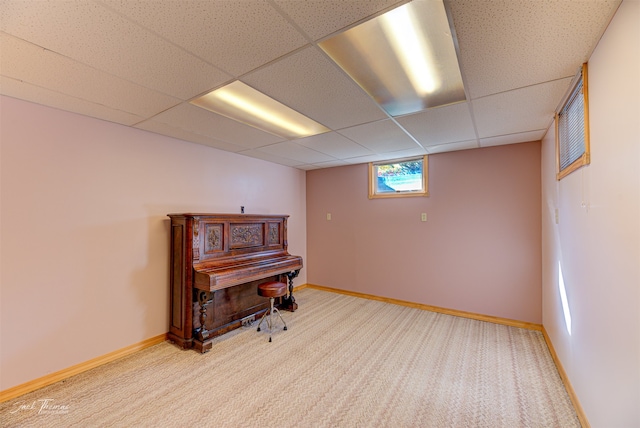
{"x": 217, "y": 262}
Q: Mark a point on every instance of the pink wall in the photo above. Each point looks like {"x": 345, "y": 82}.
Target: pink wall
{"x": 84, "y": 232}
{"x": 597, "y": 239}
{"x": 479, "y": 250}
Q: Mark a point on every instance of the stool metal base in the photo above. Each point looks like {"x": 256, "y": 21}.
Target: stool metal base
{"x": 270, "y": 312}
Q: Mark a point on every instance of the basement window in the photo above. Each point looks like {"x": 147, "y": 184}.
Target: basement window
{"x": 572, "y": 128}
{"x": 400, "y": 178}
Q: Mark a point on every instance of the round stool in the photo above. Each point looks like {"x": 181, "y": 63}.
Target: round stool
{"x": 272, "y": 290}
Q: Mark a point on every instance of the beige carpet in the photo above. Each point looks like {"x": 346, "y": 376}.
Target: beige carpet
{"x": 344, "y": 362}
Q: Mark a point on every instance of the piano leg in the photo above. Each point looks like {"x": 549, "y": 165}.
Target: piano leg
{"x": 289, "y": 302}
{"x": 202, "y": 332}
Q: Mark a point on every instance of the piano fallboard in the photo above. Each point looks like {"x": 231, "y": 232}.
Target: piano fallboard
{"x": 210, "y": 278}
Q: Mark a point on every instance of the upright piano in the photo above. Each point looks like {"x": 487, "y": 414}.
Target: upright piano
{"x": 217, "y": 263}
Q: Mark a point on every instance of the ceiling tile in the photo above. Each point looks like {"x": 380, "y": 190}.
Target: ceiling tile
{"x": 221, "y": 32}
{"x": 308, "y": 167}
{"x": 291, "y": 150}
{"x": 367, "y": 159}
{"x": 507, "y": 44}
{"x": 451, "y": 147}
{"x": 311, "y": 84}
{"x": 381, "y": 137}
{"x": 526, "y": 109}
{"x": 204, "y": 122}
{"x": 319, "y": 18}
{"x": 96, "y": 36}
{"x": 440, "y": 125}
{"x": 521, "y": 137}
{"x": 334, "y": 144}
{"x": 330, "y": 164}
{"x": 181, "y": 134}
{"x": 409, "y": 153}
{"x": 40, "y": 67}
{"x": 272, "y": 158}
{"x": 36, "y": 94}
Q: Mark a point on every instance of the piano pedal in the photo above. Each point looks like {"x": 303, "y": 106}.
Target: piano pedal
{"x": 248, "y": 321}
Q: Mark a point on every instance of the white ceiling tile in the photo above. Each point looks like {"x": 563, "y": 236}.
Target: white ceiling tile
{"x": 272, "y": 158}
{"x": 36, "y": 94}
{"x": 521, "y": 137}
{"x": 99, "y": 37}
{"x": 291, "y": 150}
{"x": 308, "y": 167}
{"x": 440, "y": 125}
{"x": 329, "y": 164}
{"x": 418, "y": 151}
{"x": 526, "y": 109}
{"x": 217, "y": 31}
{"x": 381, "y": 137}
{"x": 309, "y": 83}
{"x": 181, "y": 134}
{"x": 319, "y": 18}
{"x": 334, "y": 144}
{"x": 507, "y": 44}
{"x": 452, "y": 147}
{"x": 40, "y": 67}
{"x": 204, "y": 122}
{"x": 366, "y": 159}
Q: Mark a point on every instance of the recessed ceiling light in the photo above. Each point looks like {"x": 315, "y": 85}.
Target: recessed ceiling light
{"x": 242, "y": 103}
{"x": 405, "y": 59}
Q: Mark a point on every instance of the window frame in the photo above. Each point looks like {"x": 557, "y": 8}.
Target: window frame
{"x": 585, "y": 157}
{"x": 373, "y": 192}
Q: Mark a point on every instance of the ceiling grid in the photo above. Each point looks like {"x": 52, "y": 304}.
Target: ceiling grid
{"x": 140, "y": 63}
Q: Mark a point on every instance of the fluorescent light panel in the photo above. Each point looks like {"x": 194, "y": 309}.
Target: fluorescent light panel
{"x": 242, "y": 103}
{"x": 405, "y": 59}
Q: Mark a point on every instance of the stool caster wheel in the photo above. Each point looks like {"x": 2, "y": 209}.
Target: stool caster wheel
{"x": 269, "y": 339}
{"x": 285, "y": 327}
{"x": 258, "y": 328}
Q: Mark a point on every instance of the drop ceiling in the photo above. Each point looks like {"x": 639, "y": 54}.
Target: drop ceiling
{"x": 139, "y": 63}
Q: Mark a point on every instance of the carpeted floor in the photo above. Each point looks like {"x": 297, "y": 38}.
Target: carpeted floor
{"x": 344, "y": 362}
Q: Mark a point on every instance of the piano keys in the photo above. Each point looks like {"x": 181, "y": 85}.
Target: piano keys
{"x": 217, "y": 262}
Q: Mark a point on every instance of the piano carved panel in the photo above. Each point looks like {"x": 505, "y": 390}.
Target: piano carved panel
{"x": 195, "y": 242}
{"x": 274, "y": 233}
{"x": 213, "y": 238}
{"x": 246, "y": 235}
{"x": 217, "y": 263}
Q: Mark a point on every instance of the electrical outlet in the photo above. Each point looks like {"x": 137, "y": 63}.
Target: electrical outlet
{"x": 328, "y": 216}
{"x": 423, "y": 217}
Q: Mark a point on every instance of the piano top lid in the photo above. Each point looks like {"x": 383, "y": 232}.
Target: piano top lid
{"x": 228, "y": 215}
